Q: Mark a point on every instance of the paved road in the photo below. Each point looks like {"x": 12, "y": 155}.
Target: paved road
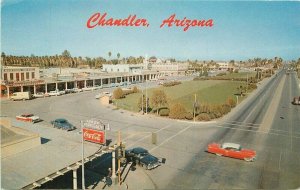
{"x": 183, "y": 144}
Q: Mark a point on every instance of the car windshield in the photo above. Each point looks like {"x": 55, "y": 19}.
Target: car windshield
{"x": 61, "y": 121}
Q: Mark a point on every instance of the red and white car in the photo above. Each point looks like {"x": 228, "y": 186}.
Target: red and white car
{"x": 28, "y": 118}
{"x": 232, "y": 150}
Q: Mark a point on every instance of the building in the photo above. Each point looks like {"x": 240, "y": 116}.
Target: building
{"x": 19, "y": 73}
{"x": 225, "y": 66}
{"x": 123, "y": 68}
{"x": 168, "y": 68}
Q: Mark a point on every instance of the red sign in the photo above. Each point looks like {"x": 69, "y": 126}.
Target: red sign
{"x": 94, "y": 136}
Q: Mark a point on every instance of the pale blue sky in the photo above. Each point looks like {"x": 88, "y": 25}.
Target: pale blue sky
{"x": 242, "y": 29}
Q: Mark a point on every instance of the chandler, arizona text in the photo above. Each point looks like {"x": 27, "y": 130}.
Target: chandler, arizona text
{"x": 132, "y": 21}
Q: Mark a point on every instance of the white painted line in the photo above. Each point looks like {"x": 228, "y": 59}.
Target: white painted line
{"x": 168, "y": 126}
{"x": 181, "y": 131}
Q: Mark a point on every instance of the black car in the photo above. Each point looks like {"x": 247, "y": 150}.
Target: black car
{"x": 142, "y": 157}
{"x": 63, "y": 124}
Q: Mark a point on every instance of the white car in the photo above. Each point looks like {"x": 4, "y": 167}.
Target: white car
{"x": 89, "y": 88}
{"x": 62, "y": 92}
{"x": 28, "y": 118}
{"x": 77, "y": 90}
{"x": 39, "y": 95}
{"x": 54, "y": 93}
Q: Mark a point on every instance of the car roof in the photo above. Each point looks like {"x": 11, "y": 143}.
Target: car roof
{"x": 27, "y": 115}
{"x": 139, "y": 150}
{"x": 231, "y": 145}
{"x": 60, "y": 119}
{"x": 149, "y": 158}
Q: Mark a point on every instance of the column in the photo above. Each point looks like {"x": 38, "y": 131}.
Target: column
{"x": 21, "y": 88}
{"x": 101, "y": 82}
{"x": 75, "y": 178}
{"x": 7, "y": 92}
{"x": 114, "y": 177}
{"x": 34, "y": 89}
{"x": 84, "y": 83}
{"x": 93, "y": 82}
{"x": 75, "y": 84}
{"x": 56, "y": 86}
{"x": 46, "y": 90}
{"x": 66, "y": 85}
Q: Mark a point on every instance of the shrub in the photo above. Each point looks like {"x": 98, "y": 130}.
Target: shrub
{"x": 225, "y": 109}
{"x": 252, "y": 86}
{"x": 230, "y": 101}
{"x": 221, "y": 74}
{"x": 212, "y": 116}
{"x": 189, "y": 116}
{"x": 164, "y": 112}
{"x": 118, "y": 93}
{"x": 203, "y": 117}
{"x": 177, "y": 111}
{"x": 172, "y": 83}
{"x": 135, "y": 89}
{"x": 236, "y": 71}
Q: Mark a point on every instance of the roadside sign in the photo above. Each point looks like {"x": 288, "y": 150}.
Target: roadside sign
{"x": 94, "y": 136}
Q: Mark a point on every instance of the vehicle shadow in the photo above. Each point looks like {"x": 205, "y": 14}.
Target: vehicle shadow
{"x": 44, "y": 140}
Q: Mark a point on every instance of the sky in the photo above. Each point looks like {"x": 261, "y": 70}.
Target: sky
{"x": 241, "y": 30}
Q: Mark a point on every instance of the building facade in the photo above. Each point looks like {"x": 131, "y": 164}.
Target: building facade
{"x": 19, "y": 73}
{"x": 170, "y": 68}
{"x": 123, "y": 68}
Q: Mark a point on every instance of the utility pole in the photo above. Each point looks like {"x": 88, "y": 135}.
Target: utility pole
{"x": 247, "y": 82}
{"x": 195, "y": 108}
{"x": 146, "y": 96}
{"x": 119, "y": 161}
{"x": 83, "y": 184}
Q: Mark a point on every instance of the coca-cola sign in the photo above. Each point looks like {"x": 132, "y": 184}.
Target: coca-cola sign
{"x": 94, "y": 136}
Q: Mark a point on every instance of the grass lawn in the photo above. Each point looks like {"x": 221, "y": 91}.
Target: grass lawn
{"x": 209, "y": 91}
{"x": 239, "y": 75}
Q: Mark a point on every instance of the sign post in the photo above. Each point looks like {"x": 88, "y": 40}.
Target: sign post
{"x": 83, "y": 184}
{"x": 93, "y": 131}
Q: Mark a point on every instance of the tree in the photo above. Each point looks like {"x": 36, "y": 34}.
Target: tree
{"x": 177, "y": 111}
{"x": 66, "y": 53}
{"x": 158, "y": 99}
{"x": 142, "y": 102}
{"x": 109, "y": 54}
{"x": 118, "y": 55}
{"x": 118, "y": 93}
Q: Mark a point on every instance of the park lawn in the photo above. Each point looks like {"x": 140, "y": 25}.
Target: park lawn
{"x": 239, "y": 75}
{"x": 216, "y": 94}
{"x": 209, "y": 91}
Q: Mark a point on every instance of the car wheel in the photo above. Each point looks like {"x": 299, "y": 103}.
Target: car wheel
{"x": 144, "y": 166}
{"x": 218, "y": 154}
{"x": 248, "y": 159}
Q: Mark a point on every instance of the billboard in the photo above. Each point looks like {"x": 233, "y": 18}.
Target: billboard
{"x": 94, "y": 136}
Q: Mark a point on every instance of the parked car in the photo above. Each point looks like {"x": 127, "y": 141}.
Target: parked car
{"x": 28, "y": 118}
{"x": 75, "y": 90}
{"x": 39, "y": 95}
{"x": 232, "y": 150}
{"x": 62, "y": 124}
{"x": 88, "y": 88}
{"x": 142, "y": 157}
{"x": 62, "y": 92}
{"x": 54, "y": 93}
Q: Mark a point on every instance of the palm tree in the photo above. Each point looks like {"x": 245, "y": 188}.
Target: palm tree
{"x": 109, "y": 54}
{"x": 118, "y": 55}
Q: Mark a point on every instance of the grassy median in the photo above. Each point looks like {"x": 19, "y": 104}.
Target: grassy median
{"x": 209, "y": 91}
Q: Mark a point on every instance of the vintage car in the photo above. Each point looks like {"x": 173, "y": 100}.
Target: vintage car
{"x": 28, "y": 118}
{"x": 143, "y": 158}
{"x": 232, "y": 150}
{"x": 39, "y": 95}
{"x": 62, "y": 124}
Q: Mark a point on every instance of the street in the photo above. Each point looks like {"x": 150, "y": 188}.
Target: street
{"x": 266, "y": 122}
